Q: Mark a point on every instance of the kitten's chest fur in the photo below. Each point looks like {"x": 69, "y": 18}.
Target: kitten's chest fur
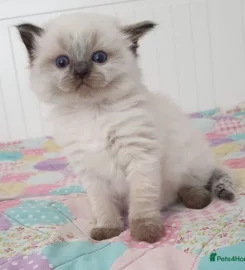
{"x": 86, "y": 135}
{"x": 89, "y": 127}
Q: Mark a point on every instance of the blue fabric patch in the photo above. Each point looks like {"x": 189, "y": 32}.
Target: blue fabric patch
{"x": 205, "y": 125}
{"x": 227, "y": 258}
{"x": 11, "y": 156}
{"x": 237, "y": 137}
{"x": 34, "y": 143}
{"x": 83, "y": 255}
{"x": 39, "y": 213}
{"x": 67, "y": 190}
{"x": 209, "y": 112}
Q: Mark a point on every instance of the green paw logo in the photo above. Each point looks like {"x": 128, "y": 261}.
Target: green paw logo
{"x": 212, "y": 257}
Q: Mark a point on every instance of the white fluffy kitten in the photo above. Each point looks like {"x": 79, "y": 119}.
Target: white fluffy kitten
{"x": 132, "y": 149}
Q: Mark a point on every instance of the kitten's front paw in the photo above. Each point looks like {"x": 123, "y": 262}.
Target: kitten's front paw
{"x": 146, "y": 229}
{"x": 104, "y": 233}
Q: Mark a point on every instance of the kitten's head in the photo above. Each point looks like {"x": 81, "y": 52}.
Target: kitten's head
{"x": 81, "y": 55}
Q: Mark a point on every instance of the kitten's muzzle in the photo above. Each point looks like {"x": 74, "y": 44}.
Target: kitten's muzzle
{"x": 81, "y": 69}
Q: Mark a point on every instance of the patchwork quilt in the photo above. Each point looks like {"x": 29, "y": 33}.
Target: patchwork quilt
{"x": 45, "y": 217}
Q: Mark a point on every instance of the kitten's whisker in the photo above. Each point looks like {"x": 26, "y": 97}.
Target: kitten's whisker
{"x": 79, "y": 85}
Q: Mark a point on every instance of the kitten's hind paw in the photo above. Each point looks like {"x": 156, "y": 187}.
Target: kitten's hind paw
{"x": 104, "y": 233}
{"x": 224, "y": 193}
{"x": 222, "y": 184}
{"x": 195, "y": 197}
{"x": 146, "y": 229}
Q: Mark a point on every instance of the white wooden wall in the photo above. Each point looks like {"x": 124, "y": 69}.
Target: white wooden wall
{"x": 196, "y": 55}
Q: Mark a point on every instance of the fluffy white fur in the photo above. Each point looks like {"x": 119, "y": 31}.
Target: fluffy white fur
{"x": 131, "y": 149}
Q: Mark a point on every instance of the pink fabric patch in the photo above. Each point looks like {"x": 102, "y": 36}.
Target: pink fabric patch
{"x": 161, "y": 258}
{"x": 10, "y": 166}
{"x": 33, "y": 152}
{"x": 4, "y": 205}
{"x": 214, "y": 136}
{"x": 236, "y": 163}
{"x": 127, "y": 258}
{"x": 40, "y": 189}
{"x": 4, "y": 223}
{"x": 15, "y": 177}
{"x": 3, "y": 145}
{"x": 229, "y": 126}
{"x": 170, "y": 235}
{"x": 74, "y": 204}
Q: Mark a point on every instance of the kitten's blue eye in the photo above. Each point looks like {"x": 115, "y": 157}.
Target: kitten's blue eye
{"x": 99, "y": 57}
{"x": 62, "y": 61}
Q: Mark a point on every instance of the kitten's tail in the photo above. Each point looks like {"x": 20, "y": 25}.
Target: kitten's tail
{"x": 221, "y": 184}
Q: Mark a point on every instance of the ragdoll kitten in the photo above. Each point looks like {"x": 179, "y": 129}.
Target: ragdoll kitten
{"x": 132, "y": 149}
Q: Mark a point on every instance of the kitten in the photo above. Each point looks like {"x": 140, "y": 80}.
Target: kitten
{"x": 132, "y": 149}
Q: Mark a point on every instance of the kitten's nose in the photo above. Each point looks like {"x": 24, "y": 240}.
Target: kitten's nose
{"x": 81, "y": 69}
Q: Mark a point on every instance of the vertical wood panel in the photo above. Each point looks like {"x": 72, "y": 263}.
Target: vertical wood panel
{"x": 202, "y": 53}
{"x": 185, "y": 57}
{"x": 10, "y": 90}
{"x": 166, "y": 53}
{"x": 125, "y": 17}
{"x": 16, "y": 8}
{"x": 227, "y": 50}
{"x": 31, "y": 106}
{"x": 4, "y": 133}
{"x": 243, "y": 24}
{"x": 147, "y": 51}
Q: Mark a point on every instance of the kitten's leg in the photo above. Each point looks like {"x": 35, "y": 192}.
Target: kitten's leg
{"x": 138, "y": 153}
{"x": 144, "y": 210}
{"x": 106, "y": 213}
{"x": 195, "y": 197}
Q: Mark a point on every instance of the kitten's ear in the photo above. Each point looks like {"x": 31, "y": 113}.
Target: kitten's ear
{"x": 136, "y": 31}
{"x": 28, "y": 33}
